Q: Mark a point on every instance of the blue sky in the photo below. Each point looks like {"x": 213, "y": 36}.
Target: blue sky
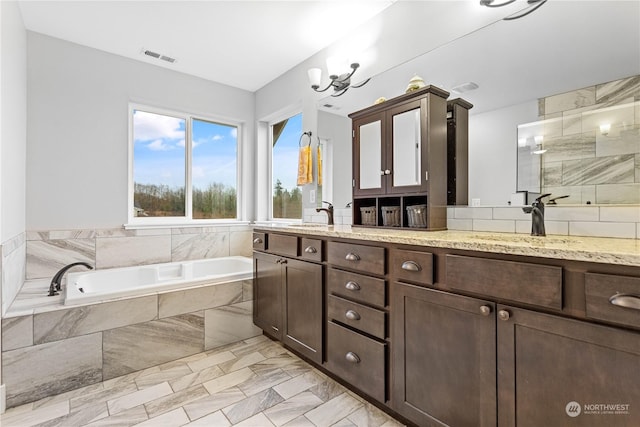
{"x": 285, "y": 154}
{"x": 159, "y": 151}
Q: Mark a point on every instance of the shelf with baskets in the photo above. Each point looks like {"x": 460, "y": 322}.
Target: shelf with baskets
{"x": 409, "y": 211}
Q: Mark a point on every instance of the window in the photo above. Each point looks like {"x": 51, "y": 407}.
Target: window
{"x": 182, "y": 167}
{"x": 286, "y": 196}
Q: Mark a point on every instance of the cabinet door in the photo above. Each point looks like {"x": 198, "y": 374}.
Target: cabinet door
{"x": 554, "y": 371}
{"x": 443, "y": 358}
{"x": 267, "y": 294}
{"x": 303, "y": 300}
{"x": 407, "y": 148}
{"x": 369, "y": 155}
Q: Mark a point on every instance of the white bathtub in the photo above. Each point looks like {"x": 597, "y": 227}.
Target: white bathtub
{"x": 99, "y": 285}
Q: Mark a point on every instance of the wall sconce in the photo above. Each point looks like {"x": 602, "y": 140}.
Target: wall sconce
{"x": 535, "y": 4}
{"x": 605, "y": 128}
{"x": 340, "y": 82}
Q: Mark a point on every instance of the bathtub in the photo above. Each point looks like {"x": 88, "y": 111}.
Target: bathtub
{"x": 100, "y": 285}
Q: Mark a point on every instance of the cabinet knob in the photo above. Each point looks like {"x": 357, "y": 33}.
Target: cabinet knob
{"x": 257, "y": 241}
{"x": 381, "y": 173}
{"x": 411, "y": 266}
{"x": 626, "y": 300}
{"x": 352, "y": 257}
{"x": 485, "y": 310}
{"x": 387, "y": 172}
{"x": 352, "y": 286}
{"x": 283, "y": 261}
{"x": 352, "y": 357}
{"x": 352, "y": 315}
{"x": 310, "y": 250}
{"x": 504, "y": 315}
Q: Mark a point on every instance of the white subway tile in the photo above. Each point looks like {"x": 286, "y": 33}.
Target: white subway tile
{"x": 620, "y": 213}
{"x": 510, "y": 213}
{"x": 496, "y": 225}
{"x": 551, "y": 227}
{"x": 460, "y": 224}
{"x": 573, "y": 213}
{"x": 603, "y": 229}
{"x": 451, "y": 211}
{"x": 473, "y": 213}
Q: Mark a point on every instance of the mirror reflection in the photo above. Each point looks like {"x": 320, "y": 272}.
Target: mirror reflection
{"x": 370, "y": 155}
{"x": 406, "y": 148}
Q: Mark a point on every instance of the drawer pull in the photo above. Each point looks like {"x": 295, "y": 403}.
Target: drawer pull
{"x": 275, "y": 329}
{"x": 352, "y": 286}
{"x": 411, "y": 266}
{"x": 352, "y": 257}
{"x": 626, "y": 300}
{"x": 352, "y": 357}
{"x": 504, "y": 315}
{"x": 257, "y": 241}
{"x": 310, "y": 250}
{"x": 485, "y": 310}
{"x": 352, "y": 315}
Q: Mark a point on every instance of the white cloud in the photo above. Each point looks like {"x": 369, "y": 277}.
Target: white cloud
{"x": 234, "y": 132}
{"x": 217, "y": 137}
{"x": 149, "y": 126}
{"x": 159, "y": 145}
{"x": 180, "y": 143}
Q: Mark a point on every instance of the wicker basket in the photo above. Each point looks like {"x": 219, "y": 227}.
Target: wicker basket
{"x": 417, "y": 216}
{"x": 391, "y": 216}
{"x": 368, "y": 215}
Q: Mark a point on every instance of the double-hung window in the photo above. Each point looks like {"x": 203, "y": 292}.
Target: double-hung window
{"x": 286, "y": 200}
{"x": 182, "y": 168}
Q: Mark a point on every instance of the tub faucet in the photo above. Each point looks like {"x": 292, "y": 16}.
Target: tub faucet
{"x": 537, "y": 216}
{"x": 329, "y": 211}
{"x": 57, "y": 278}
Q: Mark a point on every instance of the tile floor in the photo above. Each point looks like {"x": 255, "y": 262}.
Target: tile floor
{"x": 255, "y": 382}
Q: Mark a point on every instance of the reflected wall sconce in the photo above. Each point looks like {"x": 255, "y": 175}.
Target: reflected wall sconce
{"x": 340, "y": 81}
{"x": 605, "y": 128}
{"x": 535, "y": 4}
{"x": 539, "y": 150}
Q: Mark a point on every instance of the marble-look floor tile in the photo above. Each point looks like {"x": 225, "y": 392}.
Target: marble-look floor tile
{"x": 252, "y": 405}
{"x": 301, "y": 421}
{"x": 126, "y": 418}
{"x": 292, "y": 408}
{"x": 102, "y": 395}
{"x": 298, "y": 384}
{"x": 177, "y": 417}
{"x": 333, "y": 410}
{"x": 168, "y": 374}
{"x": 258, "y": 420}
{"x": 280, "y": 361}
{"x": 194, "y": 378}
{"x": 242, "y": 362}
{"x": 211, "y": 360}
{"x": 140, "y": 397}
{"x": 213, "y": 403}
{"x": 18, "y": 417}
{"x": 175, "y": 400}
{"x": 263, "y": 381}
{"x": 369, "y": 416}
{"x": 79, "y": 417}
{"x": 229, "y": 380}
{"x": 216, "y": 419}
{"x": 69, "y": 395}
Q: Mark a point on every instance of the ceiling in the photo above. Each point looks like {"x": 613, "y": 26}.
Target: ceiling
{"x": 244, "y": 44}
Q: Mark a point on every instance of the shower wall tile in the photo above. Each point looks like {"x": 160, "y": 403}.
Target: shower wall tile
{"x": 229, "y": 324}
{"x": 570, "y": 100}
{"x": 624, "y": 141}
{"x": 582, "y": 213}
{"x": 199, "y": 246}
{"x": 618, "y": 193}
{"x": 510, "y": 213}
{"x": 571, "y": 147}
{"x": 46, "y": 257}
{"x": 552, "y": 174}
{"x": 241, "y": 243}
{"x": 128, "y": 251}
{"x": 599, "y": 170}
{"x": 620, "y": 213}
{"x": 62, "y": 324}
{"x": 618, "y": 89}
{"x": 578, "y": 194}
{"x": 17, "y": 332}
{"x": 43, "y": 370}
{"x": 190, "y": 300}
{"x": 164, "y": 340}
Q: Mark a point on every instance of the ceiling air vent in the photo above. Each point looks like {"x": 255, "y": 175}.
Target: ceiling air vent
{"x": 157, "y": 55}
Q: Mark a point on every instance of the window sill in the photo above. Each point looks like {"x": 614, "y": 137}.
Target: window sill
{"x": 204, "y": 223}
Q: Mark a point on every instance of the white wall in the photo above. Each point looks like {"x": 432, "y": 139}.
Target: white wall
{"x": 78, "y": 129}
{"x": 493, "y": 144}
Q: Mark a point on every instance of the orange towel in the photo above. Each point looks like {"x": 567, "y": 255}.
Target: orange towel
{"x": 319, "y": 165}
{"x": 305, "y": 166}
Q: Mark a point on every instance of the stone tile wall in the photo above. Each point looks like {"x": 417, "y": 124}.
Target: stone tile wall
{"x": 51, "y": 352}
{"x": 12, "y": 268}
{"x": 581, "y": 161}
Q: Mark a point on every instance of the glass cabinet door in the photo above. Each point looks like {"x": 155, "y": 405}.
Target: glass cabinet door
{"x": 406, "y": 149}
{"x": 368, "y": 156}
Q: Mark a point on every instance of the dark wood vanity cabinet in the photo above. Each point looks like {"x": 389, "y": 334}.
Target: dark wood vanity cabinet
{"x": 289, "y": 298}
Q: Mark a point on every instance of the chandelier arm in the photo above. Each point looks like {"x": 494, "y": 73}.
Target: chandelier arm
{"x": 488, "y": 3}
{"x": 335, "y": 95}
{"x": 323, "y": 90}
{"x": 361, "y": 83}
{"x": 533, "y": 9}
{"x": 342, "y": 80}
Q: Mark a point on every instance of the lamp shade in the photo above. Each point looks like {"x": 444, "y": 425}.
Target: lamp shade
{"x": 314, "y": 76}
{"x": 336, "y": 66}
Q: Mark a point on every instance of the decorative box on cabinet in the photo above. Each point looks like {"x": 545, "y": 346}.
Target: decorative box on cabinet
{"x": 400, "y": 158}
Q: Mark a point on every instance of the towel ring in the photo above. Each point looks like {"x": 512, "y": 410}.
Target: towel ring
{"x": 301, "y": 136}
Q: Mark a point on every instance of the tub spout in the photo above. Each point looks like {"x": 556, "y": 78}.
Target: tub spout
{"x": 57, "y": 278}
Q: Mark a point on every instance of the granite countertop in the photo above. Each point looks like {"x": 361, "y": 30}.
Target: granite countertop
{"x": 590, "y": 249}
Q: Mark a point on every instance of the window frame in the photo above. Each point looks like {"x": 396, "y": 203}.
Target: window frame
{"x": 187, "y": 220}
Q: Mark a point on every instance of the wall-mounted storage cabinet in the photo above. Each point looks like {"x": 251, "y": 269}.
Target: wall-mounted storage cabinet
{"x": 458, "y": 151}
{"x": 400, "y": 161}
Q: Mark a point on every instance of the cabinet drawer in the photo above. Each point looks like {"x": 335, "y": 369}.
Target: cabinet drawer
{"x": 533, "y": 284}
{"x": 361, "y": 317}
{"x": 260, "y": 241}
{"x": 369, "y": 290}
{"x": 283, "y": 244}
{"x": 411, "y": 265}
{"x": 613, "y": 298}
{"x": 311, "y": 249}
{"x": 357, "y": 359}
{"x": 357, "y": 257}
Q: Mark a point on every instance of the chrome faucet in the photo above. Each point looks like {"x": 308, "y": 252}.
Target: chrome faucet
{"x": 57, "y": 278}
{"x": 537, "y": 216}
{"x": 329, "y": 211}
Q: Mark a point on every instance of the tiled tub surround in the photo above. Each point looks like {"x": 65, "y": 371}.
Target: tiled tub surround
{"x": 583, "y": 162}
{"x": 50, "y": 349}
{"x": 621, "y": 221}
{"x": 12, "y": 268}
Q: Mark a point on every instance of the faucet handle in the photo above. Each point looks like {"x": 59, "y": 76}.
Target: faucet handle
{"x": 328, "y": 203}
{"x": 539, "y": 199}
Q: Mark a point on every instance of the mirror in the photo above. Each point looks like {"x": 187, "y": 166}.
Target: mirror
{"x": 514, "y": 63}
{"x": 370, "y": 155}
{"x": 406, "y": 148}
